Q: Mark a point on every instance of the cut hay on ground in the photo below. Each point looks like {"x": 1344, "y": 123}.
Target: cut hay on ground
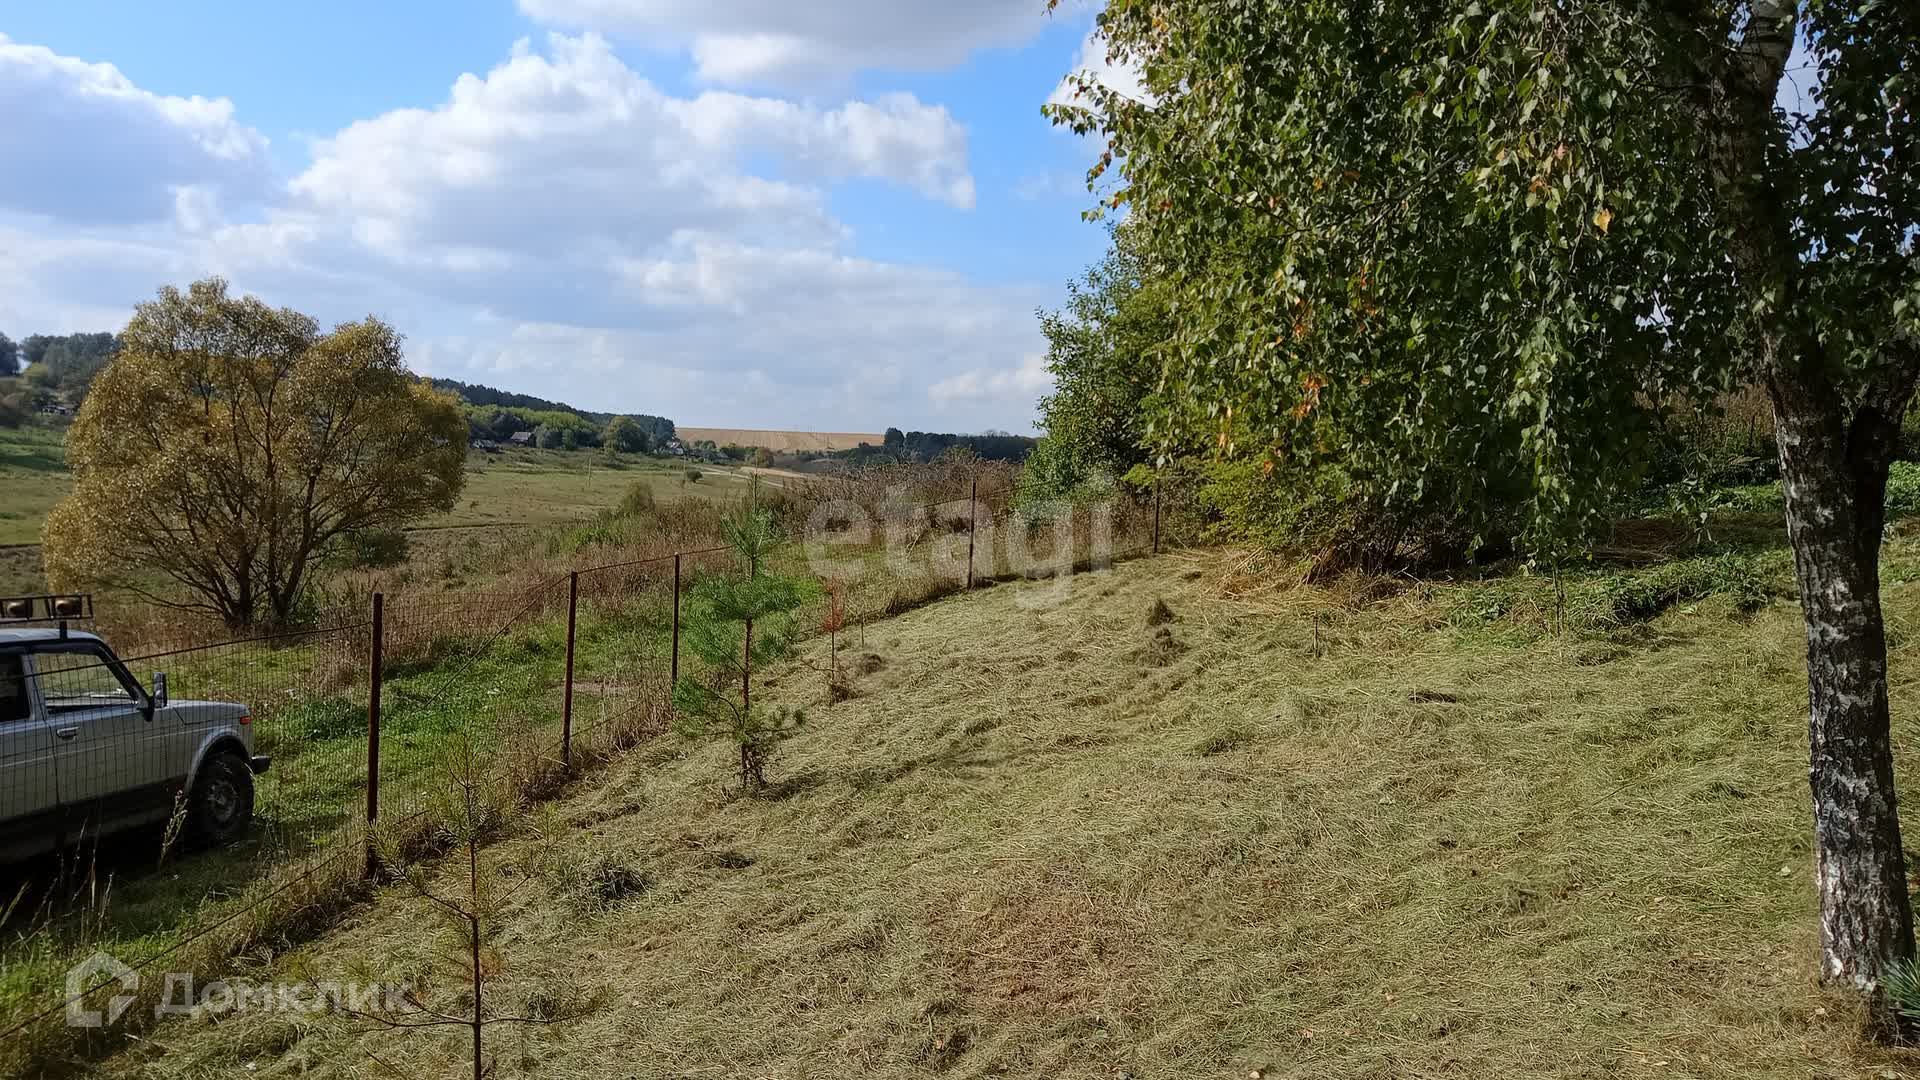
{"x": 1038, "y": 842}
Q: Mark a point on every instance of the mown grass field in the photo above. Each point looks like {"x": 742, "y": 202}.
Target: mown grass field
{"x": 1172, "y": 820}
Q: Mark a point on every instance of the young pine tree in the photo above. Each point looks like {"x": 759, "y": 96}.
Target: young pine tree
{"x": 735, "y": 625}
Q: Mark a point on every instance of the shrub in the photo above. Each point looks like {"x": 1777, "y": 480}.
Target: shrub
{"x": 694, "y": 475}
{"x": 638, "y": 500}
{"x": 375, "y": 549}
{"x": 1335, "y": 523}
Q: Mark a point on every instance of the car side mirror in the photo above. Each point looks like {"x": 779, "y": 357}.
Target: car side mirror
{"x": 159, "y": 696}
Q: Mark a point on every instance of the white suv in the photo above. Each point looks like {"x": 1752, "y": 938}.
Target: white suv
{"x": 85, "y": 750}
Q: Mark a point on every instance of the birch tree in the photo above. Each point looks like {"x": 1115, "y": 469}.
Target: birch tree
{"x": 1428, "y": 233}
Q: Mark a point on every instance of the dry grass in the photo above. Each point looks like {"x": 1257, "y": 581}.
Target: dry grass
{"x": 1021, "y": 850}
{"x": 779, "y": 441}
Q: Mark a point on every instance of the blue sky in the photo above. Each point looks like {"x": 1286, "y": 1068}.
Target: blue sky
{"x": 838, "y": 215}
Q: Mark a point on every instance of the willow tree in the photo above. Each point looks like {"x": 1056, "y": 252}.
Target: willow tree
{"x": 228, "y": 443}
{"x": 1428, "y": 233}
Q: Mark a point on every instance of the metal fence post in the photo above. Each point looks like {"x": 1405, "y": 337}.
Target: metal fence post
{"x": 1156, "y": 515}
{"x": 973, "y": 525}
{"x": 377, "y": 663}
{"x": 676, "y": 618}
{"x": 566, "y": 700}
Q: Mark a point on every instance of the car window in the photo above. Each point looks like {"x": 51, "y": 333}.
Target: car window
{"x": 14, "y": 704}
{"x": 79, "y": 680}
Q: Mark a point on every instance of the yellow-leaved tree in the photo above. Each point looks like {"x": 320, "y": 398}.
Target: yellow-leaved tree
{"x": 229, "y": 442}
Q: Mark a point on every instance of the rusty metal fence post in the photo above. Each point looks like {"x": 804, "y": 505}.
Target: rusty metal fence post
{"x": 973, "y": 524}
{"x": 566, "y": 699}
{"x": 676, "y": 619}
{"x": 377, "y": 663}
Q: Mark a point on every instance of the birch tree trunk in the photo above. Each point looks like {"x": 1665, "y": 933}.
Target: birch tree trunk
{"x": 1838, "y": 433}
{"x": 1835, "y": 476}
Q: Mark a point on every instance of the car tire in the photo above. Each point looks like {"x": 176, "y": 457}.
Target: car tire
{"x": 221, "y": 806}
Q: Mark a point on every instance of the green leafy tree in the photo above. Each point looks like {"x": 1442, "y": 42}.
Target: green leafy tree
{"x": 1104, "y": 351}
{"x": 546, "y": 438}
{"x": 736, "y": 624}
{"x": 67, "y": 364}
{"x": 229, "y": 444}
{"x": 9, "y": 357}
{"x": 624, "y": 436}
{"x": 1426, "y": 234}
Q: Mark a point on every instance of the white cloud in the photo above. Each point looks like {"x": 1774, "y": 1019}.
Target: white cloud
{"x": 81, "y": 143}
{"x": 561, "y": 226}
{"x": 806, "y": 42}
{"x": 1008, "y": 387}
{"x": 575, "y": 151}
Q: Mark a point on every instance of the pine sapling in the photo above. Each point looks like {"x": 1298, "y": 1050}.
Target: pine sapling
{"x": 735, "y": 624}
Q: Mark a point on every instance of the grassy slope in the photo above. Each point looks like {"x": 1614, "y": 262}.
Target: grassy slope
{"x": 1038, "y": 843}
{"x": 548, "y": 487}
{"x": 33, "y": 476}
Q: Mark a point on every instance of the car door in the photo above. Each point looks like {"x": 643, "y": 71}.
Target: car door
{"x": 28, "y": 796}
{"x": 110, "y": 763}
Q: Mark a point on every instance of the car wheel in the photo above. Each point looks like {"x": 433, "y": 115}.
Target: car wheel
{"x": 222, "y": 803}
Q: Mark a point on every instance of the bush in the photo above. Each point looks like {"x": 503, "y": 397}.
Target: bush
{"x": 1637, "y": 597}
{"x": 638, "y": 500}
{"x": 1336, "y": 524}
{"x": 694, "y": 475}
{"x": 375, "y": 549}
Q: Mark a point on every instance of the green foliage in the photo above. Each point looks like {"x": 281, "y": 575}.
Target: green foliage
{"x": 1903, "y": 494}
{"x": 14, "y": 407}
{"x": 66, "y": 366}
{"x": 1600, "y": 601}
{"x": 735, "y": 625}
{"x": 1636, "y": 597}
{"x": 1902, "y": 981}
{"x": 9, "y": 357}
{"x": 1320, "y": 513}
{"x": 1415, "y": 239}
{"x": 229, "y": 444}
{"x": 375, "y": 549}
{"x": 625, "y": 436}
{"x": 500, "y": 424}
{"x": 693, "y": 475}
{"x": 899, "y": 446}
{"x": 1104, "y": 351}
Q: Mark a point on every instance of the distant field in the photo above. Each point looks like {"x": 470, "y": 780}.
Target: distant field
{"x": 548, "y": 487}
{"x": 787, "y": 441}
{"x": 513, "y": 489}
{"x": 33, "y": 477}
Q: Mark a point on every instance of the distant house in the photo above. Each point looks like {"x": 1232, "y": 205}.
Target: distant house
{"x": 521, "y": 438}
{"x": 56, "y": 410}
{"x": 485, "y": 446}
{"x": 674, "y": 448}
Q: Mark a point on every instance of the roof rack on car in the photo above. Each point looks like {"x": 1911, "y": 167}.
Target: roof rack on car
{"x": 57, "y": 607}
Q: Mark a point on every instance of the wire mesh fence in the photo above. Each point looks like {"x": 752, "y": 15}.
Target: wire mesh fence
{"x": 185, "y": 808}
